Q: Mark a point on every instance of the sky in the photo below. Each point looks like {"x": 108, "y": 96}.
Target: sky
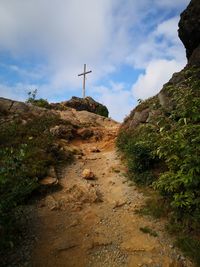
{"x": 131, "y": 46}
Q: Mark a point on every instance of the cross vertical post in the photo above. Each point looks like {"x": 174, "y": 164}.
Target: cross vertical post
{"x": 84, "y": 78}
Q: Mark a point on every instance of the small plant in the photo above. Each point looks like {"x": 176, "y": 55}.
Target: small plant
{"x": 148, "y": 230}
{"x": 42, "y": 103}
{"x": 190, "y": 247}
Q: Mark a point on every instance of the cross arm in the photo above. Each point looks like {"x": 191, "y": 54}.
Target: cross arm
{"x": 84, "y": 73}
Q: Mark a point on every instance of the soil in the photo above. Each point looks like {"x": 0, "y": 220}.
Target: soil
{"x": 92, "y": 223}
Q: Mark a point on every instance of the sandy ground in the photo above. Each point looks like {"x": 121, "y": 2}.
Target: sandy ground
{"x": 92, "y": 223}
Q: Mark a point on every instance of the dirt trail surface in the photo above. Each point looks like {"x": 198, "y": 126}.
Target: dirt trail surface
{"x": 92, "y": 223}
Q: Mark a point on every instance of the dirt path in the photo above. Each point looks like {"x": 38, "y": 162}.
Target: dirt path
{"x": 93, "y": 223}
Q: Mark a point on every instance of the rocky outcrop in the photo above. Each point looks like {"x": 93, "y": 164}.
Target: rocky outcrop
{"x": 88, "y": 104}
{"x": 189, "y": 33}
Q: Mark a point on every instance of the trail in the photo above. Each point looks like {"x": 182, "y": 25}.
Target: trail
{"x": 93, "y": 223}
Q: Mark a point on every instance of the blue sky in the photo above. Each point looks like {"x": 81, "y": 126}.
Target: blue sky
{"x": 131, "y": 46}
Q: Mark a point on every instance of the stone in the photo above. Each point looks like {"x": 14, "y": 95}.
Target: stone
{"x": 48, "y": 181}
{"x": 141, "y": 116}
{"x": 100, "y": 241}
{"x": 83, "y": 194}
{"x": 95, "y": 150}
{"x": 5, "y": 105}
{"x": 139, "y": 243}
{"x": 119, "y": 203}
{"x": 88, "y": 174}
{"x": 165, "y": 101}
{"x": 52, "y": 172}
{"x": 51, "y": 203}
{"x": 85, "y": 133}
{"x": 88, "y": 104}
{"x": 189, "y": 27}
{"x": 62, "y": 131}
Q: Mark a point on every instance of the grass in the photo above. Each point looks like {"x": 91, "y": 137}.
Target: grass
{"x": 190, "y": 248}
{"x": 27, "y": 150}
{"x": 149, "y": 231}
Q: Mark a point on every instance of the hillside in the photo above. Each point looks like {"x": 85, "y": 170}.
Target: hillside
{"x": 160, "y": 139}
{"x": 65, "y": 196}
{"x": 78, "y": 189}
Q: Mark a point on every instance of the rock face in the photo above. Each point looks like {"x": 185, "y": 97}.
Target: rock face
{"x": 88, "y": 104}
{"x": 189, "y": 33}
{"x": 189, "y": 30}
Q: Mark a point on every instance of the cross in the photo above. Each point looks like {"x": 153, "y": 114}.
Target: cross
{"x": 84, "y": 78}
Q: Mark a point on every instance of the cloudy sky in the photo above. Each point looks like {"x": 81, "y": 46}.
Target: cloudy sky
{"x": 131, "y": 46}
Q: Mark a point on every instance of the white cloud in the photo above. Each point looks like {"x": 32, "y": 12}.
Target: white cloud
{"x": 60, "y": 36}
{"x": 17, "y": 92}
{"x": 157, "y": 73}
{"x": 118, "y": 100}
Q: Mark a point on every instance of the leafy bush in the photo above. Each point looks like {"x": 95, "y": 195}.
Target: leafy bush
{"x": 138, "y": 151}
{"x": 102, "y": 110}
{"x": 172, "y": 139}
{"x": 26, "y": 152}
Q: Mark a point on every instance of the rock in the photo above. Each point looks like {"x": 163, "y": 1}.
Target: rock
{"x": 119, "y": 203}
{"x": 139, "y": 243}
{"x": 175, "y": 263}
{"x": 189, "y": 27}
{"x": 100, "y": 241}
{"x": 62, "y": 131}
{"x": 165, "y": 101}
{"x": 52, "y": 172}
{"x": 85, "y": 133}
{"x": 95, "y": 150}
{"x": 51, "y": 203}
{"x": 48, "y": 181}
{"x": 5, "y": 105}
{"x": 88, "y": 104}
{"x": 66, "y": 245}
{"x": 83, "y": 194}
{"x": 142, "y": 116}
{"x": 88, "y": 174}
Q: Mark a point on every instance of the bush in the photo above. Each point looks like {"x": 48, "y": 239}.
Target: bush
{"x": 42, "y": 103}
{"x": 138, "y": 151}
{"x": 102, "y": 110}
{"x": 25, "y": 156}
{"x": 172, "y": 139}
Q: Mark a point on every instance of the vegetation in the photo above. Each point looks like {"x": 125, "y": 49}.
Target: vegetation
{"x": 42, "y": 103}
{"x": 148, "y": 230}
{"x": 27, "y": 149}
{"x": 165, "y": 153}
{"x": 102, "y": 110}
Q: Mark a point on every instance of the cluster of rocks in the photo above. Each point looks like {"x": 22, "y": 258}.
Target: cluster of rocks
{"x": 79, "y": 104}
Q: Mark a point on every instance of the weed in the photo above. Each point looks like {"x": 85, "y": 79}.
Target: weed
{"x": 148, "y": 230}
{"x": 190, "y": 247}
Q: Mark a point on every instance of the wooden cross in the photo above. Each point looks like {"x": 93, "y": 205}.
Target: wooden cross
{"x": 84, "y": 78}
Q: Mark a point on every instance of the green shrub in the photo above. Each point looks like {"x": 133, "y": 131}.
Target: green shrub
{"x": 139, "y": 154}
{"x": 42, "y": 103}
{"x": 173, "y": 139}
{"x": 26, "y": 152}
{"x": 102, "y": 110}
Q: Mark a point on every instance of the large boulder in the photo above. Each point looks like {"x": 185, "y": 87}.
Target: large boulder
{"x": 88, "y": 104}
{"x": 189, "y": 30}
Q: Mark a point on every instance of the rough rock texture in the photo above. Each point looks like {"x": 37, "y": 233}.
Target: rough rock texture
{"x": 189, "y": 33}
{"x": 10, "y": 109}
{"x": 189, "y": 30}
{"x": 88, "y": 104}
